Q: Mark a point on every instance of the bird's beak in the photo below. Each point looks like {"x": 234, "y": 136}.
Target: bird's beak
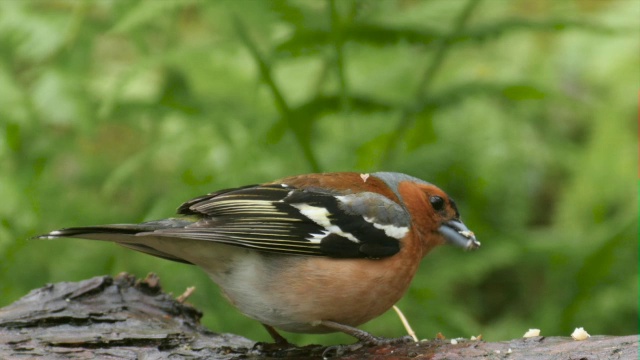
{"x": 456, "y": 233}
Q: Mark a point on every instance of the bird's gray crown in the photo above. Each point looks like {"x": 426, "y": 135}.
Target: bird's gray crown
{"x": 393, "y": 179}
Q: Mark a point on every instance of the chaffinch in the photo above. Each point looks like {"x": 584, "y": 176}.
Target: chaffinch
{"x": 312, "y": 253}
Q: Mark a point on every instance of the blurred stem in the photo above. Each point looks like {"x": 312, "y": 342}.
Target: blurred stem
{"x": 337, "y": 34}
{"x": 318, "y": 83}
{"x": 75, "y": 28}
{"x": 281, "y": 104}
{"x": 595, "y": 270}
{"x": 71, "y": 33}
{"x": 407, "y": 117}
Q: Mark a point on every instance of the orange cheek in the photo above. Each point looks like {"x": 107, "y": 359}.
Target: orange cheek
{"x": 425, "y": 221}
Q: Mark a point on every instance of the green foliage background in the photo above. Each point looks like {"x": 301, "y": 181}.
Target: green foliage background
{"x": 523, "y": 111}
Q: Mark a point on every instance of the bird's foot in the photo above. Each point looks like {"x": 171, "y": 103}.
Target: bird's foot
{"x": 283, "y": 348}
{"x": 279, "y": 342}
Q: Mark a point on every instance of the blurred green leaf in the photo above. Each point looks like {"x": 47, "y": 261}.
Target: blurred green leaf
{"x": 311, "y": 41}
{"x": 508, "y": 26}
{"x": 422, "y": 131}
{"x": 596, "y": 269}
{"x": 522, "y": 92}
{"x": 13, "y": 137}
{"x": 306, "y": 41}
{"x": 177, "y": 94}
{"x": 146, "y": 13}
{"x": 306, "y": 114}
{"x": 370, "y": 152}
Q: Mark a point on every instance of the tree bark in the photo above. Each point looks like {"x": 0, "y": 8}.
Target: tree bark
{"x": 125, "y": 318}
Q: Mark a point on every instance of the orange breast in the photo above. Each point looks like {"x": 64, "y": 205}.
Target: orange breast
{"x": 347, "y": 291}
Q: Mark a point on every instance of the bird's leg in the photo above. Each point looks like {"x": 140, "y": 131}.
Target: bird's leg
{"x": 277, "y": 338}
{"x": 364, "y": 337}
{"x": 279, "y": 343}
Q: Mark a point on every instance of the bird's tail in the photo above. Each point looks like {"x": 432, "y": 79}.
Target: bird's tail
{"x": 127, "y": 235}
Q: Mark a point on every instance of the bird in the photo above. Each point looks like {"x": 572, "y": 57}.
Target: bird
{"x": 312, "y": 253}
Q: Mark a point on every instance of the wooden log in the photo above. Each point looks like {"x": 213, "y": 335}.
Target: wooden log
{"x": 125, "y": 318}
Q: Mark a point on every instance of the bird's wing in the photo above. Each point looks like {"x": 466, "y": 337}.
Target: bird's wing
{"x": 285, "y": 219}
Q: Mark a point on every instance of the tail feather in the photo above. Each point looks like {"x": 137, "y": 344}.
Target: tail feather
{"x": 114, "y": 231}
{"x": 81, "y": 232}
{"x": 123, "y": 234}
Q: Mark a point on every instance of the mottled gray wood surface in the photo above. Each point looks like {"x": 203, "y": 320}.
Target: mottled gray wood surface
{"x": 125, "y": 318}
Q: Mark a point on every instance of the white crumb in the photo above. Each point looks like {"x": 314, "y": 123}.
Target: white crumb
{"x": 580, "y": 334}
{"x": 532, "y": 333}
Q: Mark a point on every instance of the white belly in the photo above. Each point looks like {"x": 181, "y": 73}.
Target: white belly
{"x": 248, "y": 279}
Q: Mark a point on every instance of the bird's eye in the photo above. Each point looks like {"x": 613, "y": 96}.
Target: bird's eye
{"x": 437, "y": 202}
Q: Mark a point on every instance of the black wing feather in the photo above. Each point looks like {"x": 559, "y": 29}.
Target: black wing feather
{"x": 264, "y": 217}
